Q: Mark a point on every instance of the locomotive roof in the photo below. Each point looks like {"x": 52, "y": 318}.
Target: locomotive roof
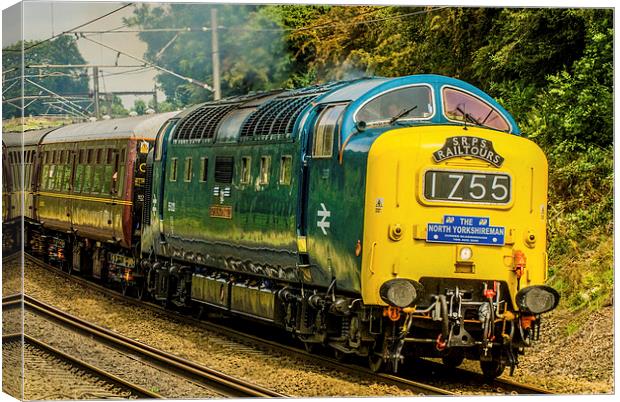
{"x": 276, "y": 114}
{"x": 31, "y": 137}
{"x": 145, "y": 126}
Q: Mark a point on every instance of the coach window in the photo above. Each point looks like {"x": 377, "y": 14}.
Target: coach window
{"x": 115, "y": 174}
{"x": 108, "y": 173}
{"x": 286, "y": 164}
{"x": 464, "y": 107}
{"x": 204, "y": 169}
{"x": 78, "y": 179}
{"x": 325, "y": 131}
{"x": 66, "y": 182}
{"x": 188, "y": 169}
{"x": 58, "y": 174}
{"x": 413, "y": 103}
{"x": 88, "y": 171}
{"x": 246, "y": 166}
{"x": 44, "y": 176}
{"x": 173, "y": 169}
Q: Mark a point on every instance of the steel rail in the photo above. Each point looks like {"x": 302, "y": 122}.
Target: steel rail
{"x": 11, "y": 256}
{"x": 222, "y": 383}
{"x": 390, "y": 379}
{"x": 137, "y": 390}
{"x": 403, "y": 383}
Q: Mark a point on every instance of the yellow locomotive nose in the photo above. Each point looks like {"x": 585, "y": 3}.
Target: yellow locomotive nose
{"x": 454, "y": 218}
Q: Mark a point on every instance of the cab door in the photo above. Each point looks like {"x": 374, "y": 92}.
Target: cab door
{"x": 321, "y": 197}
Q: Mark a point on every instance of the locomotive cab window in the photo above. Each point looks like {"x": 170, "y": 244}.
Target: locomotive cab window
{"x": 325, "y": 131}
{"x": 246, "y": 166}
{"x": 409, "y": 103}
{"x": 463, "y": 107}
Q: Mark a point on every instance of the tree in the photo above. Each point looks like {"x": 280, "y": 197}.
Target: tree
{"x": 253, "y": 55}
{"x": 139, "y": 106}
{"x": 114, "y": 107}
{"x": 62, "y": 50}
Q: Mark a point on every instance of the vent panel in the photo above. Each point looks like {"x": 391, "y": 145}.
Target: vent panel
{"x": 202, "y": 122}
{"x": 276, "y": 117}
{"x": 224, "y": 169}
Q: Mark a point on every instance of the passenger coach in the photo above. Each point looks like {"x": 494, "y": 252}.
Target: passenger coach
{"x": 89, "y": 194}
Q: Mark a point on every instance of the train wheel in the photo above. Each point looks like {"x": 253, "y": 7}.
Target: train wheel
{"x": 141, "y": 292}
{"x": 310, "y": 347}
{"x": 453, "y": 358}
{"x": 492, "y": 369}
{"x": 375, "y": 363}
{"x": 340, "y": 355}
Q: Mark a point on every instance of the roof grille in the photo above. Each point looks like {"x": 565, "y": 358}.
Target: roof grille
{"x": 202, "y": 122}
{"x": 275, "y": 117}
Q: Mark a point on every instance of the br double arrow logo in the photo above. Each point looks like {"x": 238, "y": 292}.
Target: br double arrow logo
{"x": 324, "y": 214}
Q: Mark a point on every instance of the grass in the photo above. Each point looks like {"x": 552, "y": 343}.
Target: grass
{"x": 33, "y": 123}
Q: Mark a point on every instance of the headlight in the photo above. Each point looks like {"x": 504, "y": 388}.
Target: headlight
{"x": 537, "y": 299}
{"x": 400, "y": 292}
{"x": 465, "y": 254}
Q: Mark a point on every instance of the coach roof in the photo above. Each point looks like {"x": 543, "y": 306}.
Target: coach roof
{"x": 145, "y": 126}
{"x": 31, "y": 137}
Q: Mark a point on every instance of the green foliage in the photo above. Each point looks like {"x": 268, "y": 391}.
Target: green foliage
{"x": 62, "y": 50}
{"x": 139, "y": 106}
{"x": 253, "y": 56}
{"x": 113, "y": 107}
{"x": 576, "y": 108}
{"x": 526, "y": 45}
{"x": 33, "y": 123}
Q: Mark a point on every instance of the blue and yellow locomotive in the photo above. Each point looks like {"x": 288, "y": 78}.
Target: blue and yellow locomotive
{"x": 376, "y": 217}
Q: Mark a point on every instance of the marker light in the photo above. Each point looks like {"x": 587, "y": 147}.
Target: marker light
{"x": 465, "y": 254}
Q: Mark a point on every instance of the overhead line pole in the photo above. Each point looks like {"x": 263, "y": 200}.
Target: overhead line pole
{"x": 96, "y": 91}
{"x": 217, "y": 92}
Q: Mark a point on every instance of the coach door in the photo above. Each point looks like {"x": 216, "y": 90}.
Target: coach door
{"x": 321, "y": 201}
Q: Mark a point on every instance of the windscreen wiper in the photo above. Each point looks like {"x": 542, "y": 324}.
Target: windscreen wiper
{"x": 467, "y": 116}
{"x": 403, "y": 113}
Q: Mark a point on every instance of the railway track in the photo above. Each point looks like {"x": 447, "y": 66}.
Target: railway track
{"x": 501, "y": 385}
{"x": 74, "y": 378}
{"x": 222, "y": 384}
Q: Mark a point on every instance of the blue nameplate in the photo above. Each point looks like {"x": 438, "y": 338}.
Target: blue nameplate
{"x": 465, "y": 229}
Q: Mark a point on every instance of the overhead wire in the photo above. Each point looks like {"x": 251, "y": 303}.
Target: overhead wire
{"x": 184, "y": 78}
{"x": 69, "y": 30}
